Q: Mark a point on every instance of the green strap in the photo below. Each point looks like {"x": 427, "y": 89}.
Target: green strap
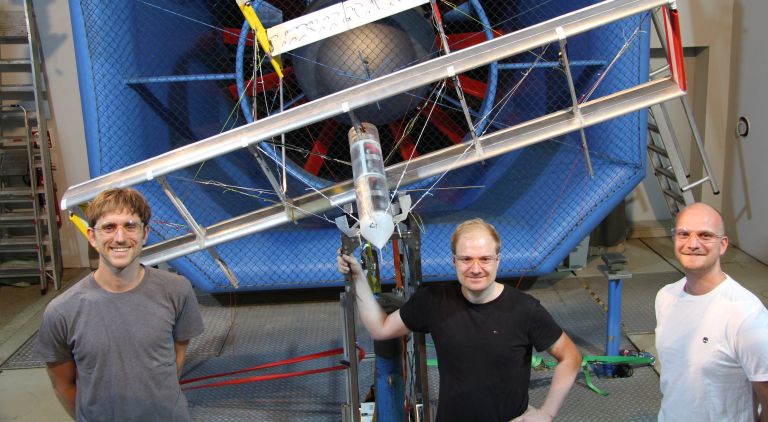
{"x": 588, "y": 380}
{"x": 630, "y": 360}
{"x": 536, "y": 361}
{"x": 539, "y": 362}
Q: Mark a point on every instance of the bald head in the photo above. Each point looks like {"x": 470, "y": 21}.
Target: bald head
{"x": 699, "y": 242}
{"x": 700, "y": 210}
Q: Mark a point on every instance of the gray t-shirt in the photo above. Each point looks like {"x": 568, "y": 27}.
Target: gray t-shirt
{"x": 123, "y": 346}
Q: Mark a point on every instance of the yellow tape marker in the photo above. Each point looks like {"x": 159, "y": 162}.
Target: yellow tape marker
{"x": 81, "y": 224}
{"x": 261, "y": 33}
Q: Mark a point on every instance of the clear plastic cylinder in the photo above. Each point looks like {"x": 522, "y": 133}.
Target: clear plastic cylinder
{"x": 371, "y": 189}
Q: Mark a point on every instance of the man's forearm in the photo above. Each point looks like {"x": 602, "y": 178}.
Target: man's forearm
{"x": 760, "y": 398}
{"x": 180, "y": 348}
{"x": 179, "y": 367}
{"x": 370, "y": 312}
{"x": 380, "y": 325}
{"x": 63, "y": 377}
{"x": 562, "y": 381}
{"x": 67, "y": 396}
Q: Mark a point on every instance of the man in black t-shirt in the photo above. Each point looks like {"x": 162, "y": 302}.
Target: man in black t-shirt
{"x": 483, "y": 332}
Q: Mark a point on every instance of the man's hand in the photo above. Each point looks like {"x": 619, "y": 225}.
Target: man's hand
{"x": 380, "y": 325}
{"x": 534, "y": 415}
{"x": 348, "y": 264}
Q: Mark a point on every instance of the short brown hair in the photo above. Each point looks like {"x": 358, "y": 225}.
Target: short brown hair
{"x": 118, "y": 200}
{"x": 471, "y": 224}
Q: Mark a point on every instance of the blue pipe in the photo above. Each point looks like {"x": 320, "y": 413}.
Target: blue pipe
{"x": 613, "y": 329}
{"x": 388, "y": 381}
{"x": 181, "y": 78}
{"x": 529, "y": 65}
{"x": 85, "y": 81}
{"x": 493, "y": 71}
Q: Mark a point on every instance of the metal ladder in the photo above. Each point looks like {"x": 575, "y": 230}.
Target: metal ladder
{"x": 664, "y": 149}
{"x": 25, "y": 142}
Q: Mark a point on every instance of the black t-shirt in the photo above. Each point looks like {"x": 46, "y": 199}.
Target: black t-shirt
{"x": 483, "y": 351}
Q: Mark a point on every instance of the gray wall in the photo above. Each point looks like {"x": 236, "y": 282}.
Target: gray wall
{"x": 70, "y": 156}
{"x": 745, "y": 187}
{"x": 723, "y": 85}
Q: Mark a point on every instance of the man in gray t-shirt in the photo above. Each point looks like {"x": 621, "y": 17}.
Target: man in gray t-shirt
{"x": 114, "y": 343}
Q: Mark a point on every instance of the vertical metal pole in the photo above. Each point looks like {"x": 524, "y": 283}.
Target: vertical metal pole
{"x": 351, "y": 409}
{"x": 412, "y": 241}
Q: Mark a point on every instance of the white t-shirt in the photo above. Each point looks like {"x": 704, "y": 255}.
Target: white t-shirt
{"x": 711, "y": 348}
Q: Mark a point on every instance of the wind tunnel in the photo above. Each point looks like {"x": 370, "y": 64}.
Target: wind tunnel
{"x": 158, "y": 75}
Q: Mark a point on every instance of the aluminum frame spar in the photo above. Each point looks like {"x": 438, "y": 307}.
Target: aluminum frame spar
{"x": 366, "y": 93}
{"x": 199, "y": 231}
{"x": 438, "y": 162}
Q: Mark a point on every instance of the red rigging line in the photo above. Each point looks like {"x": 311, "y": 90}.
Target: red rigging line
{"x": 332, "y": 352}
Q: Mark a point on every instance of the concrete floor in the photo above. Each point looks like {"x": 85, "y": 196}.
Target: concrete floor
{"x": 25, "y": 394}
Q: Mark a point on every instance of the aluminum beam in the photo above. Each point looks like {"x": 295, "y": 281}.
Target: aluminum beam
{"x": 500, "y": 142}
{"x": 360, "y": 95}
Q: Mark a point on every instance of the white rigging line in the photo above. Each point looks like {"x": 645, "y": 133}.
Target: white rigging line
{"x": 438, "y": 93}
{"x": 496, "y": 109}
{"x": 242, "y": 190}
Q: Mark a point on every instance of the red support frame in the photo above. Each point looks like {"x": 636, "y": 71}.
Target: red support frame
{"x": 407, "y": 146}
{"x": 674, "y": 46}
{"x": 320, "y": 147}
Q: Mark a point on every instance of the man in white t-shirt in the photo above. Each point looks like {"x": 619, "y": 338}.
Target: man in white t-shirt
{"x": 711, "y": 333}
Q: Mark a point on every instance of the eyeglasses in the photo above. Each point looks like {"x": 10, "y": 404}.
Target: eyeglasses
{"x": 484, "y": 261}
{"x": 704, "y": 236}
{"x": 130, "y": 227}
